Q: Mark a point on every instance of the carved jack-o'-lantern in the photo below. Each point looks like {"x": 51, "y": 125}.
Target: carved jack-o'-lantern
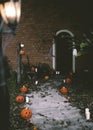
{"x": 26, "y": 113}
{"x": 68, "y": 80}
{"x": 19, "y": 99}
{"x": 23, "y": 89}
{"x": 64, "y": 90}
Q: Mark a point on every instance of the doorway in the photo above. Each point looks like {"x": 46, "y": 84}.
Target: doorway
{"x": 62, "y": 52}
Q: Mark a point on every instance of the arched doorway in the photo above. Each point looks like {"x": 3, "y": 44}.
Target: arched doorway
{"x": 62, "y": 54}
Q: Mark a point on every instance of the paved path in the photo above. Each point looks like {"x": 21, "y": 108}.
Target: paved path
{"x": 52, "y": 111}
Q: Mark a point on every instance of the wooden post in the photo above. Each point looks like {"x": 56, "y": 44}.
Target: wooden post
{"x": 19, "y": 65}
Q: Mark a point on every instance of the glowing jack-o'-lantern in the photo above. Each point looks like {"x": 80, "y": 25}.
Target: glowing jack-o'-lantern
{"x": 23, "y": 89}
{"x": 20, "y": 99}
{"x": 64, "y": 90}
{"x": 26, "y": 113}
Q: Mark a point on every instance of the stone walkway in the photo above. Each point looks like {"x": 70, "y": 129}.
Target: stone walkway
{"x": 52, "y": 110}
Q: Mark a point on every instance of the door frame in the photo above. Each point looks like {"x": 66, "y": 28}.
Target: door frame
{"x": 54, "y": 49}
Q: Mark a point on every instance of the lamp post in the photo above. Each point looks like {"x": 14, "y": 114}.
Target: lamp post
{"x": 9, "y": 14}
{"x": 19, "y": 49}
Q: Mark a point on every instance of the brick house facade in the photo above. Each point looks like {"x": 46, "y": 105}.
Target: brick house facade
{"x": 40, "y": 20}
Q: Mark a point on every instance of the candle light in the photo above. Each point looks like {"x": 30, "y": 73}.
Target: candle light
{"x": 87, "y": 113}
{"x": 35, "y": 69}
{"x": 36, "y": 82}
{"x": 64, "y": 80}
{"x": 27, "y": 99}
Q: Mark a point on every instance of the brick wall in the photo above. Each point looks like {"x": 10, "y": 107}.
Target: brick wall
{"x": 40, "y": 20}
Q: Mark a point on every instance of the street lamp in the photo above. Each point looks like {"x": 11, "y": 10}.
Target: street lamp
{"x": 9, "y": 14}
{"x": 20, "y": 51}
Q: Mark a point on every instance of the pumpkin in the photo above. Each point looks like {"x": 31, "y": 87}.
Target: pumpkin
{"x": 26, "y": 113}
{"x": 71, "y": 73}
{"x": 23, "y": 89}
{"x": 46, "y": 77}
{"x": 22, "y": 52}
{"x": 33, "y": 69}
{"x": 35, "y": 128}
{"x": 19, "y": 99}
{"x": 64, "y": 90}
{"x": 68, "y": 80}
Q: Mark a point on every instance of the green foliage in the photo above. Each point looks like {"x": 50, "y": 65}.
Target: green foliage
{"x": 16, "y": 122}
{"x": 44, "y": 69}
{"x": 83, "y": 44}
{"x": 86, "y": 44}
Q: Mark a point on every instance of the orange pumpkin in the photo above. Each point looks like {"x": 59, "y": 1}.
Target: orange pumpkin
{"x": 71, "y": 73}
{"x": 35, "y": 128}
{"x": 19, "y": 99}
{"x": 64, "y": 90}
{"x": 26, "y": 113}
{"x": 33, "y": 69}
{"x": 46, "y": 77}
{"x": 22, "y": 52}
{"x": 68, "y": 80}
{"x": 23, "y": 89}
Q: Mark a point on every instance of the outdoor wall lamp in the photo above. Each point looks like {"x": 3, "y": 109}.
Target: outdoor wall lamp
{"x": 9, "y": 14}
{"x": 22, "y": 45}
{"x": 74, "y": 52}
{"x": 74, "y": 59}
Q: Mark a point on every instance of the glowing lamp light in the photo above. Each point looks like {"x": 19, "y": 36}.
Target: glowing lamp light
{"x": 22, "y": 45}
{"x": 74, "y": 52}
{"x": 11, "y": 12}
